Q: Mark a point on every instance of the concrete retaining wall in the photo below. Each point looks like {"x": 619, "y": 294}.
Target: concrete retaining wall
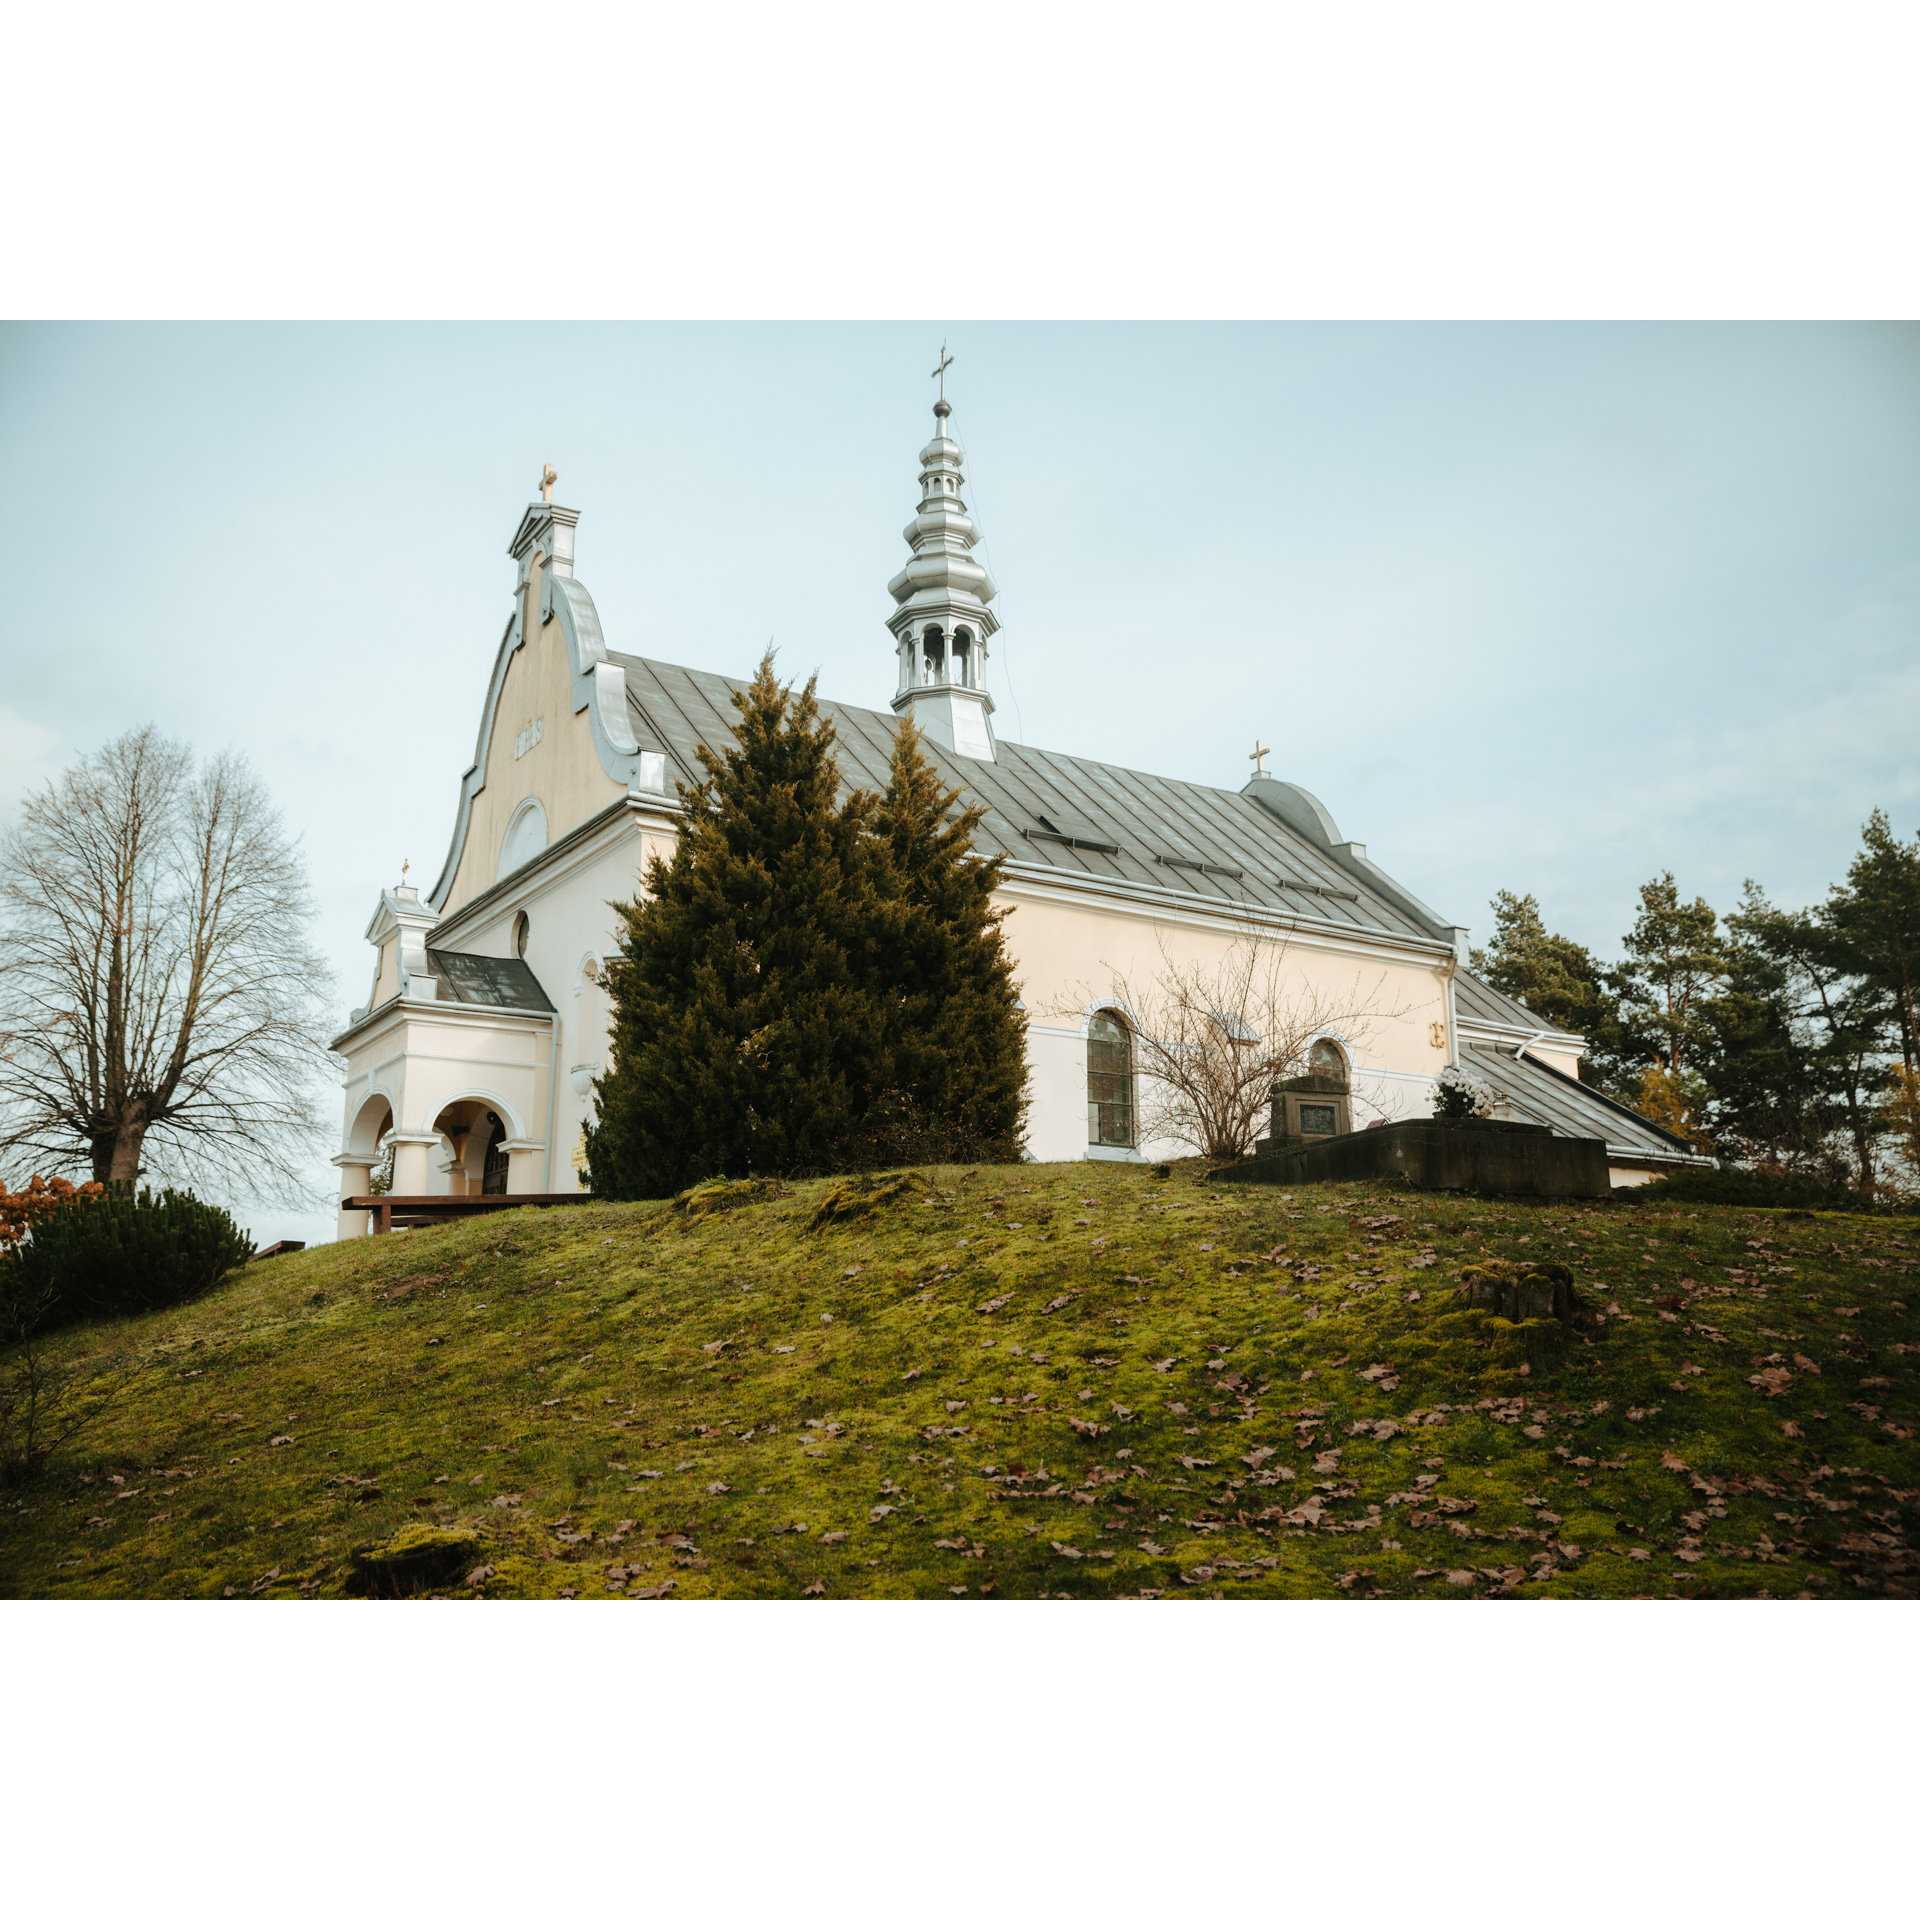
{"x": 1486, "y": 1156}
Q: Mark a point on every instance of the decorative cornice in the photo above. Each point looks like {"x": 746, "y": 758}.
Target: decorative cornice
{"x": 435, "y": 1013}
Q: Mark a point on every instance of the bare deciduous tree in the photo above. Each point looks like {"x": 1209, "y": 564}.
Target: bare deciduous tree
{"x": 1210, "y": 1040}
{"x": 162, "y": 1007}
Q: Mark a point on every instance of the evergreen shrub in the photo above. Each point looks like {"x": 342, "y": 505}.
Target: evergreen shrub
{"x": 1744, "y": 1187}
{"x": 816, "y": 983}
{"x": 125, "y": 1253}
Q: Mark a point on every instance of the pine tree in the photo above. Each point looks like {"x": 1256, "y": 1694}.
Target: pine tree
{"x": 1873, "y": 927}
{"x": 956, "y": 1038}
{"x": 1799, "y": 1053}
{"x": 744, "y": 1034}
{"x": 1676, "y": 959}
{"x": 1552, "y": 976}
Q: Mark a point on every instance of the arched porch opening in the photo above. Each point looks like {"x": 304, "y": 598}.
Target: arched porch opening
{"x": 371, "y": 1125}
{"x": 472, "y": 1158}
{"x": 365, "y": 1142}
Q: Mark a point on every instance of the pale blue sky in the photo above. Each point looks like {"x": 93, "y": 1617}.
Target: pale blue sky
{"x": 1545, "y": 607}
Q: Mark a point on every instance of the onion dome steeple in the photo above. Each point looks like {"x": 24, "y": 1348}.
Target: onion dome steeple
{"x": 942, "y": 620}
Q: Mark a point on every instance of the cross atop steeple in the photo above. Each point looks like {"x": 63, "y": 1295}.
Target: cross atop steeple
{"x": 941, "y": 621}
{"x": 1259, "y": 758}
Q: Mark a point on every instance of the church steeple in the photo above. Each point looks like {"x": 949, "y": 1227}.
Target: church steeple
{"x": 942, "y": 620}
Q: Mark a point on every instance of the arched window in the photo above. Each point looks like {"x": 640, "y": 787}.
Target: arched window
{"x": 1109, "y": 1082}
{"x": 590, "y": 1025}
{"x": 493, "y": 1172}
{"x": 1316, "y": 1104}
{"x": 526, "y": 835}
{"x": 963, "y": 673}
{"x": 1325, "y": 1061}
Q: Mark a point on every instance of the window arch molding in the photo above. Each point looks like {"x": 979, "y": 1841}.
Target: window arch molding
{"x": 1338, "y": 1041}
{"x": 374, "y": 1118}
{"x": 484, "y": 1097}
{"x": 1317, "y": 1102}
{"x": 525, "y": 837}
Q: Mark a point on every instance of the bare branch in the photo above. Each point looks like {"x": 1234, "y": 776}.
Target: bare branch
{"x": 163, "y": 1010}
{"x": 1210, "y": 1037}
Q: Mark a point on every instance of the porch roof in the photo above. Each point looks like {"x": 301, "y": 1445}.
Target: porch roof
{"x": 487, "y": 980}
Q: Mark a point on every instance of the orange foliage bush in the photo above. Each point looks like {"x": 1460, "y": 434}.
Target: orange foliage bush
{"x": 20, "y": 1211}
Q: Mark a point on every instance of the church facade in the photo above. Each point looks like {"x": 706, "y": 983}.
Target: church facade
{"x": 474, "y": 1058}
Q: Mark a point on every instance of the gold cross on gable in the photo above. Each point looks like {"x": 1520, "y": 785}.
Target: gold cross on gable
{"x": 1259, "y": 757}
{"x": 404, "y": 865}
{"x": 940, "y": 372}
{"x": 547, "y": 478}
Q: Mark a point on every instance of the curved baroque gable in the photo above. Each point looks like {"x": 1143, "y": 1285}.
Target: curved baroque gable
{"x": 592, "y": 690}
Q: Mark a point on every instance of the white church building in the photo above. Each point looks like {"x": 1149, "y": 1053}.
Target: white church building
{"x": 474, "y": 1058}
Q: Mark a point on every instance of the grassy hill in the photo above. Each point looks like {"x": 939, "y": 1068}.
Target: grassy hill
{"x": 1055, "y": 1380}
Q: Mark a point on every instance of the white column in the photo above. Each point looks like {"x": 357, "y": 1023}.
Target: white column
{"x": 410, "y": 1152}
{"x": 523, "y": 1165}
{"x": 355, "y": 1168}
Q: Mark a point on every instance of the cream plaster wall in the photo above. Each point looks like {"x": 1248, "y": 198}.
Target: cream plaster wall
{"x": 1057, "y": 1088}
{"x": 1066, "y": 954}
{"x": 562, "y": 771}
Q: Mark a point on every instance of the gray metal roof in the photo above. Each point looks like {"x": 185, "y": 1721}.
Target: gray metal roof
{"x": 1473, "y": 999}
{"x": 486, "y": 980}
{"x": 1077, "y": 817}
{"x": 1536, "y": 1092}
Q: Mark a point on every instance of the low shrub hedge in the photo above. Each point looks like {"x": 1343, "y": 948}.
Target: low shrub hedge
{"x": 119, "y": 1254}
{"x": 1743, "y": 1187}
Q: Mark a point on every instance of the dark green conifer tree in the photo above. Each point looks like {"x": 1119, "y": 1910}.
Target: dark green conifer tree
{"x": 1872, "y": 924}
{"x": 744, "y": 1040}
{"x": 956, "y": 1036}
{"x": 1558, "y": 979}
{"x": 1801, "y": 1048}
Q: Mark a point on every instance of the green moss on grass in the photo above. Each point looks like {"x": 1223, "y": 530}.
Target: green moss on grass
{"x": 1018, "y": 1381}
